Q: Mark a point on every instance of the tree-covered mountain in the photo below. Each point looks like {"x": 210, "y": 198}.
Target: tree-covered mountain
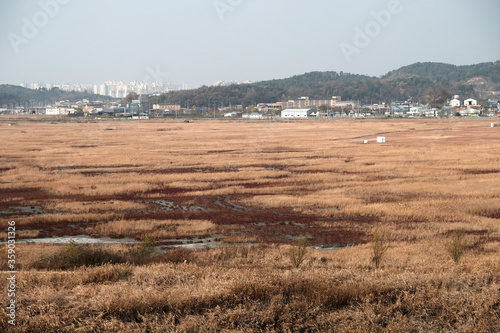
{"x": 11, "y": 95}
{"x": 315, "y": 85}
{"x": 411, "y": 82}
{"x": 407, "y": 83}
{"x": 445, "y": 73}
{"x": 478, "y": 81}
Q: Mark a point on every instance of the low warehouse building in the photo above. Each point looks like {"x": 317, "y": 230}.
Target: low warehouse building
{"x": 297, "y": 113}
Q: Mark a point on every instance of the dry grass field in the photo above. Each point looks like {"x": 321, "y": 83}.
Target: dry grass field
{"x": 231, "y": 197}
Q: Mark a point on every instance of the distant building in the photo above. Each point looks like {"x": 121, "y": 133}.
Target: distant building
{"x": 88, "y": 109}
{"x": 416, "y": 111}
{"x": 107, "y": 111}
{"x": 455, "y": 102}
{"x": 470, "y": 102}
{"x": 469, "y": 112}
{"x": 57, "y": 111}
{"x": 253, "y": 115}
{"x": 163, "y": 107}
{"x": 297, "y": 113}
{"x": 399, "y": 109}
{"x": 100, "y": 89}
{"x": 305, "y": 102}
{"x": 431, "y": 113}
{"x": 265, "y": 107}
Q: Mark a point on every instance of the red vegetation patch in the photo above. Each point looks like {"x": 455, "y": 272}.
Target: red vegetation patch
{"x": 222, "y": 151}
{"x": 22, "y": 195}
{"x": 169, "y": 171}
{"x": 480, "y": 171}
{"x": 277, "y": 225}
{"x": 85, "y": 146}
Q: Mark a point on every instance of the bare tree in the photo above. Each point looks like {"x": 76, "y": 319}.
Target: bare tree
{"x": 436, "y": 97}
{"x": 131, "y": 96}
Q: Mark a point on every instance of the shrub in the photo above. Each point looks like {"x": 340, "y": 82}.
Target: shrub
{"x": 228, "y": 251}
{"x": 458, "y": 246}
{"x": 72, "y": 253}
{"x": 105, "y": 273}
{"x": 381, "y": 243}
{"x": 176, "y": 256}
{"x": 98, "y": 254}
{"x": 298, "y": 251}
{"x": 147, "y": 246}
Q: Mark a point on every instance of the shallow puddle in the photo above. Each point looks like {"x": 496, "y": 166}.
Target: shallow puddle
{"x": 81, "y": 239}
{"x": 22, "y": 210}
{"x": 193, "y": 243}
{"x": 168, "y": 206}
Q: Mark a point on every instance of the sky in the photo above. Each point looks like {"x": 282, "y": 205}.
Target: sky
{"x": 201, "y": 42}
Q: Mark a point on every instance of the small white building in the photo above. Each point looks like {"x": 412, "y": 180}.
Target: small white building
{"x": 416, "y": 111}
{"x": 431, "y": 113}
{"x": 470, "y": 101}
{"x": 297, "y": 113}
{"x": 55, "y": 111}
{"x": 253, "y": 115}
{"x": 455, "y": 102}
{"x": 469, "y": 112}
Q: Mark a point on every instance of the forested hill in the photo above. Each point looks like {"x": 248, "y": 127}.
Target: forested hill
{"x": 445, "y": 73}
{"x": 409, "y": 82}
{"x": 17, "y": 95}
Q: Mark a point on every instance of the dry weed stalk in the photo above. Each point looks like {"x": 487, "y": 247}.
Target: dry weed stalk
{"x": 458, "y": 246}
{"x": 380, "y": 244}
{"x": 298, "y": 251}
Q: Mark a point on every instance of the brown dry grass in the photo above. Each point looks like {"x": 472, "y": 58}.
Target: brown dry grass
{"x": 260, "y": 291}
{"x": 158, "y": 229}
{"x": 265, "y": 182}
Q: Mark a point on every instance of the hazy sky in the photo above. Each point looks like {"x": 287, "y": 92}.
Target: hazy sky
{"x": 204, "y": 41}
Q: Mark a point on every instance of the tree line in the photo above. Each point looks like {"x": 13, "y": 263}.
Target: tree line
{"x": 420, "y": 82}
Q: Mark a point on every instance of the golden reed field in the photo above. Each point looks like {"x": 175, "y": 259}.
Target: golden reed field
{"x": 286, "y": 226}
